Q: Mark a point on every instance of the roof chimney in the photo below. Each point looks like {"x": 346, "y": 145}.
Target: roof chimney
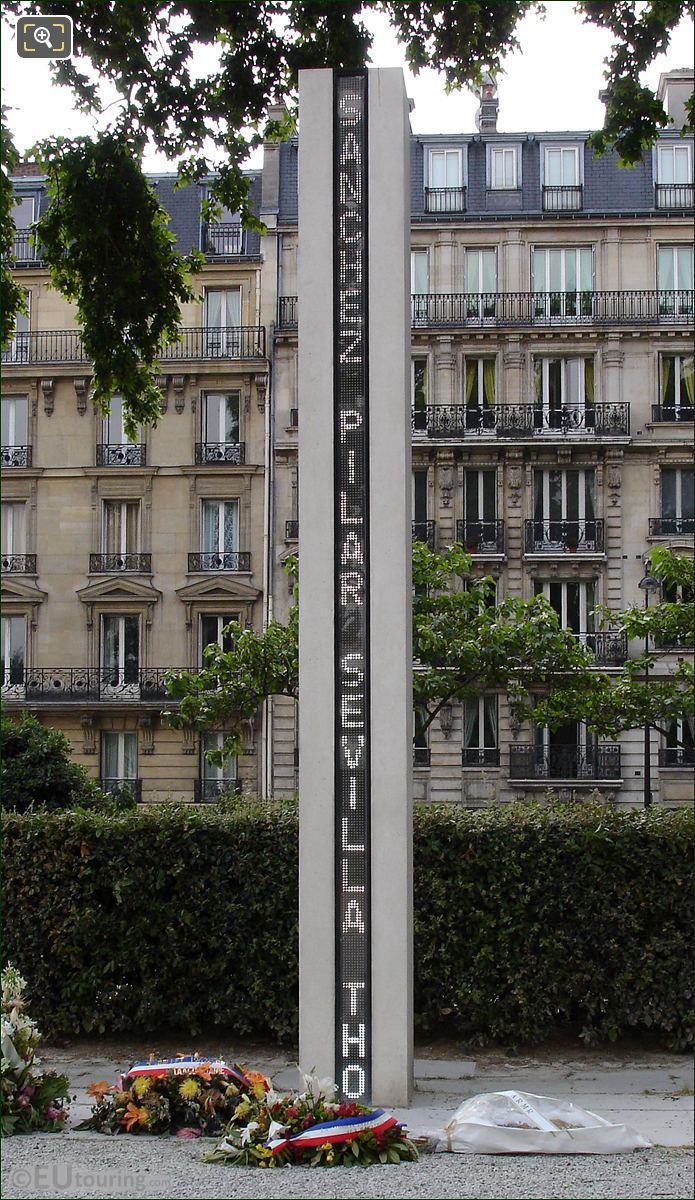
{"x": 486, "y": 116}
{"x": 675, "y": 87}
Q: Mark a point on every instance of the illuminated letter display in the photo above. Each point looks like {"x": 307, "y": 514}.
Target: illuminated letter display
{"x": 351, "y": 499}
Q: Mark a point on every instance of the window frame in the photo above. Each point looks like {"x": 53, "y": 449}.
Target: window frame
{"x": 492, "y": 152}
{"x": 8, "y": 622}
{"x": 563, "y": 147}
{"x": 672, "y": 147}
{"x": 432, "y": 151}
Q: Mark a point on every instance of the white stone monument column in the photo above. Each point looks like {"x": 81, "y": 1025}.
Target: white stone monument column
{"x": 355, "y": 710}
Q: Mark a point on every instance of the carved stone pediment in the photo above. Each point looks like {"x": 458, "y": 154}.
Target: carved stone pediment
{"x": 119, "y": 590}
{"x": 223, "y": 588}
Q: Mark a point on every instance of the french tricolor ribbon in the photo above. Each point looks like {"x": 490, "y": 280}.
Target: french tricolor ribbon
{"x": 187, "y": 1065}
{"x": 344, "y": 1129}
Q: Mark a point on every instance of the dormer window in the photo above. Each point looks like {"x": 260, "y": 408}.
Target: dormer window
{"x": 562, "y": 179}
{"x": 503, "y": 173}
{"x": 445, "y": 192}
{"x": 24, "y": 214}
{"x": 223, "y": 236}
{"x": 674, "y": 175}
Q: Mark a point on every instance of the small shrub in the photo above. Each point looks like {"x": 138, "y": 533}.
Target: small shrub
{"x": 37, "y": 769}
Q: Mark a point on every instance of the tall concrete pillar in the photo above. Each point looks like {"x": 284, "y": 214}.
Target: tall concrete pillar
{"x": 355, "y": 705}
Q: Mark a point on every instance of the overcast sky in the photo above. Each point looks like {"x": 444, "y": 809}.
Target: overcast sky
{"x": 551, "y": 83}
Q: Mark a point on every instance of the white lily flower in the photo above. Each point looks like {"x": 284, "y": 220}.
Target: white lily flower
{"x": 317, "y": 1088}
{"x": 247, "y": 1132}
{"x": 276, "y": 1130}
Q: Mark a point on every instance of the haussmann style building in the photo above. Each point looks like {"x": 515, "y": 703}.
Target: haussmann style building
{"x": 552, "y": 405}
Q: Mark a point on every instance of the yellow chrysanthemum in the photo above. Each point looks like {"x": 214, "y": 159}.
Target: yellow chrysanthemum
{"x": 188, "y": 1090}
{"x": 142, "y": 1085}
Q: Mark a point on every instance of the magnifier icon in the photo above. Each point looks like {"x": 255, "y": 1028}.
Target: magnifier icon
{"x": 42, "y": 34}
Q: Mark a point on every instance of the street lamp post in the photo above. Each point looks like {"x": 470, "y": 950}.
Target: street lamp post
{"x": 647, "y": 584}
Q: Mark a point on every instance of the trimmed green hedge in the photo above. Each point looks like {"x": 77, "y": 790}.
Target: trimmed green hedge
{"x": 526, "y": 918}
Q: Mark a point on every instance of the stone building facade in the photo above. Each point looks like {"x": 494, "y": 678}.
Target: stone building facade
{"x": 552, "y": 417}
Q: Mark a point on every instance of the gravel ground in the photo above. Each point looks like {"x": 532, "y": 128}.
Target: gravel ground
{"x": 79, "y": 1166}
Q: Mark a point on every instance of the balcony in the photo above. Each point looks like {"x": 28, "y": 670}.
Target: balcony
{"x": 115, "y": 787}
{"x": 481, "y": 537}
{"x": 473, "y": 756}
{"x": 522, "y": 421}
{"x": 683, "y": 414}
{"x": 15, "y": 456}
{"x": 676, "y": 756}
{"x": 19, "y": 564}
{"x": 424, "y": 531}
{"x": 62, "y": 685}
{"x": 121, "y": 454}
{"x": 421, "y": 756}
{"x": 24, "y": 252}
{"x": 562, "y": 199}
{"x": 451, "y": 310}
{"x": 204, "y": 342}
{"x": 115, "y": 564}
{"x": 287, "y": 312}
{"x": 445, "y": 200}
{"x": 608, "y": 648}
{"x": 564, "y": 762}
{"x": 206, "y": 791}
{"x": 291, "y": 531}
{"x": 206, "y": 560}
{"x": 232, "y": 454}
{"x": 564, "y": 537}
{"x": 671, "y": 526}
{"x": 674, "y": 195}
{"x": 223, "y": 241}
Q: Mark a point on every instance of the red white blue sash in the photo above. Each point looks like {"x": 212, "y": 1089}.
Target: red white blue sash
{"x": 344, "y": 1129}
{"x": 187, "y": 1065}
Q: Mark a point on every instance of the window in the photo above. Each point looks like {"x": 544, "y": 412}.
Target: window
{"x": 480, "y": 283}
{"x": 14, "y": 528}
{"x": 676, "y": 387}
{"x": 13, "y": 650}
{"x": 480, "y": 530}
{"x": 418, "y": 394}
{"x": 674, "y": 268}
{"x": 15, "y": 451}
{"x": 564, "y": 512}
{"x": 503, "y": 168}
{"x": 24, "y": 215}
{"x": 211, "y": 631}
{"x": 121, "y": 527}
{"x": 423, "y": 530}
{"x": 220, "y": 429}
{"x": 419, "y": 286}
{"x": 119, "y": 760}
{"x": 18, "y": 348}
{"x": 568, "y": 752}
{"x": 224, "y": 234}
{"x": 677, "y": 749}
{"x": 421, "y": 747}
{"x": 220, "y": 531}
{"x": 674, "y": 176}
{"x": 120, "y": 653}
{"x": 222, "y": 322}
{"x": 562, "y": 166}
{"x": 480, "y": 747}
{"x": 480, "y": 394}
{"x": 563, "y": 280}
{"x": 564, "y": 394}
{"x": 574, "y": 602}
{"x": 215, "y": 781}
{"x": 445, "y": 192}
{"x": 676, "y": 500}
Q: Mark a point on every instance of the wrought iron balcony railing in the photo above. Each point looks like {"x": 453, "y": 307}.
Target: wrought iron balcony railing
{"x": 291, "y": 531}
{"x": 224, "y": 241}
{"x": 676, "y": 756}
{"x": 481, "y": 537}
{"x": 287, "y": 312}
{"x": 24, "y": 250}
{"x": 684, "y": 413}
{"x": 671, "y": 526}
{"x": 474, "y": 756}
{"x": 232, "y": 454}
{"x": 206, "y": 791}
{"x": 117, "y": 787}
{"x": 113, "y": 564}
{"x": 121, "y": 454}
{"x": 564, "y": 762}
{"x": 19, "y": 564}
{"x": 81, "y": 684}
{"x": 422, "y": 756}
{"x": 562, "y": 199}
{"x": 552, "y": 537}
{"x": 522, "y": 420}
{"x": 207, "y": 560}
{"x": 425, "y": 531}
{"x": 510, "y": 309}
{"x": 445, "y": 200}
{"x": 15, "y": 456}
{"x": 674, "y": 195}
{"x": 608, "y": 648}
{"x": 207, "y": 341}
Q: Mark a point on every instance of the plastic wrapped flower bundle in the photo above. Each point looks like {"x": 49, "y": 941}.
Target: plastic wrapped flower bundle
{"x": 188, "y": 1095}
{"x": 31, "y": 1100}
{"x": 311, "y": 1129}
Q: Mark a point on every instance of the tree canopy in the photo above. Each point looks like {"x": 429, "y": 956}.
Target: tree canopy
{"x": 151, "y": 53}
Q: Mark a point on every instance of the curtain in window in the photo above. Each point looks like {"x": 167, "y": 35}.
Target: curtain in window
{"x": 667, "y": 382}
{"x": 490, "y": 709}
{"x": 471, "y": 383}
{"x": 211, "y": 526}
{"x": 538, "y": 382}
{"x": 589, "y": 508}
{"x": 231, "y": 538}
{"x": 489, "y": 381}
{"x": 471, "y": 723}
{"x": 665, "y": 269}
{"x": 13, "y": 528}
{"x": 688, "y": 378}
{"x": 213, "y": 309}
{"x": 589, "y": 393}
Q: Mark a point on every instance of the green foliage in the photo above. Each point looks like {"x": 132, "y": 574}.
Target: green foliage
{"x": 12, "y": 299}
{"x": 526, "y": 918}
{"x": 37, "y": 770}
{"x": 121, "y": 269}
{"x": 31, "y": 1101}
